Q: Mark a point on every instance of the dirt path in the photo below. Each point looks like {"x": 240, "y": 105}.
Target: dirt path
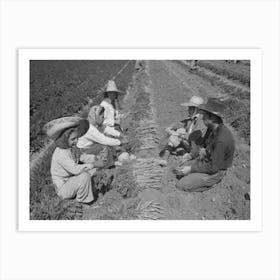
{"x": 154, "y": 103}
{"x": 171, "y": 85}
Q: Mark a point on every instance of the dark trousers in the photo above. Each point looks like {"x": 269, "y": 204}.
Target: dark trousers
{"x": 199, "y": 182}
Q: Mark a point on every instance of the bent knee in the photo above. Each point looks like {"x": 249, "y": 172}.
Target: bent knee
{"x": 184, "y": 184}
{"x": 85, "y": 176}
{"x": 180, "y": 185}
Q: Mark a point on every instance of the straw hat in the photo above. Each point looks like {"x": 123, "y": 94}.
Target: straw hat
{"x": 112, "y": 87}
{"x": 56, "y": 127}
{"x": 213, "y": 106}
{"x": 195, "y": 101}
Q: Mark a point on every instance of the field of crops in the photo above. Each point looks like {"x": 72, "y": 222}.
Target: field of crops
{"x": 62, "y": 88}
{"x": 145, "y": 187}
{"x": 235, "y": 71}
{"x": 234, "y": 81}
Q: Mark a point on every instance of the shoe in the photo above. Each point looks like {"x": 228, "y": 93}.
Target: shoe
{"x": 162, "y": 152}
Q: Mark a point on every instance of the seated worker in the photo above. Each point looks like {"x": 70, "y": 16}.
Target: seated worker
{"x": 210, "y": 167}
{"x": 94, "y": 141}
{"x": 72, "y": 180}
{"x": 111, "y": 114}
{"x": 178, "y": 142}
{"x": 194, "y": 64}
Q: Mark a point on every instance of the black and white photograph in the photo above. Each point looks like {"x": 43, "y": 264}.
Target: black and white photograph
{"x": 140, "y": 139}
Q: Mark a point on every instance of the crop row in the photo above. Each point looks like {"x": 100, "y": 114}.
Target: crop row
{"x": 238, "y": 71}
{"x": 54, "y": 95}
{"x": 237, "y": 101}
{"x": 62, "y": 88}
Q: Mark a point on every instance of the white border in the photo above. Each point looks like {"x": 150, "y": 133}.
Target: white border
{"x": 25, "y": 55}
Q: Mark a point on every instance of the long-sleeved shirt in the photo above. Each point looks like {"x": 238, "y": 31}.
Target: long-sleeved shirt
{"x": 110, "y": 131}
{"x": 109, "y": 113}
{"x": 64, "y": 166}
{"x": 109, "y": 118}
{"x": 182, "y": 130}
{"x": 220, "y": 147}
{"x": 93, "y": 136}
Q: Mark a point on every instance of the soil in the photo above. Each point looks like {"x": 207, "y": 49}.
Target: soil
{"x": 154, "y": 98}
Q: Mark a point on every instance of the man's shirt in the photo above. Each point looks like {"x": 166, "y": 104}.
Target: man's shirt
{"x": 220, "y": 148}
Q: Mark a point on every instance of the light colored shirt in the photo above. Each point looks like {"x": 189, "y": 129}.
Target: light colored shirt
{"x": 109, "y": 118}
{"x": 93, "y": 135}
{"x": 110, "y": 131}
{"x": 109, "y": 113}
{"x": 197, "y": 124}
{"x": 63, "y": 166}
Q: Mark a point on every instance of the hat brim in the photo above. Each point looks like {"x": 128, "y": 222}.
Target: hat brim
{"x": 211, "y": 112}
{"x": 185, "y": 121}
{"x": 189, "y": 104}
{"x": 116, "y": 91}
{"x": 82, "y": 127}
{"x": 55, "y": 130}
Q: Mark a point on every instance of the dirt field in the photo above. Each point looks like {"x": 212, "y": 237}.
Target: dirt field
{"x": 146, "y": 188}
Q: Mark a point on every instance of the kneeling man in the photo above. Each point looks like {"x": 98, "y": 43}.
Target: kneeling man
{"x": 217, "y": 155}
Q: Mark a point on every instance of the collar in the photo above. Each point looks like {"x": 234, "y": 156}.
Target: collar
{"x": 215, "y": 132}
{"x": 107, "y": 100}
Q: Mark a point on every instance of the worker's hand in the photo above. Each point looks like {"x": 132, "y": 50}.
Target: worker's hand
{"x": 186, "y": 170}
{"x": 117, "y": 121}
{"x": 168, "y": 130}
{"x": 186, "y": 157}
{"x": 119, "y": 149}
{"x": 202, "y": 153}
{"x": 89, "y": 166}
{"x": 124, "y": 140}
{"x": 103, "y": 155}
{"x": 184, "y": 137}
{"x": 178, "y": 171}
{"x": 87, "y": 158}
{"x": 123, "y": 116}
{"x": 182, "y": 171}
{"x": 99, "y": 164}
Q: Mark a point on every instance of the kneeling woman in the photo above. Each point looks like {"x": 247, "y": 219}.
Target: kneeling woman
{"x": 72, "y": 180}
{"x": 94, "y": 141}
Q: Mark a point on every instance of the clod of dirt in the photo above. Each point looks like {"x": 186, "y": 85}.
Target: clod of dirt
{"x": 242, "y": 174}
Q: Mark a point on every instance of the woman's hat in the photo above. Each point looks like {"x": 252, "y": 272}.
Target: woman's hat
{"x": 213, "y": 106}
{"x": 195, "y": 101}
{"x": 56, "y": 127}
{"x": 112, "y": 87}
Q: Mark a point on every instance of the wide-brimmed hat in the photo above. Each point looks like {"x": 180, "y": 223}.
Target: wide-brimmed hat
{"x": 213, "y": 106}
{"x": 112, "y": 87}
{"x": 56, "y": 127}
{"x": 195, "y": 101}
